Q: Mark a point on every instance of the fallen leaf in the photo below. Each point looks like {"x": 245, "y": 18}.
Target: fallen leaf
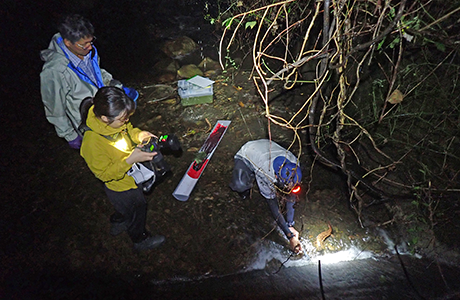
{"x": 170, "y": 101}
{"x": 396, "y": 97}
{"x": 241, "y": 104}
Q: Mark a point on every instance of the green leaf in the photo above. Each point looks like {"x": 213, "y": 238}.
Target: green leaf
{"x": 380, "y": 44}
{"x": 250, "y": 24}
{"x": 392, "y": 12}
{"x": 200, "y": 156}
{"x": 440, "y": 47}
{"x": 227, "y": 23}
{"x": 394, "y": 43}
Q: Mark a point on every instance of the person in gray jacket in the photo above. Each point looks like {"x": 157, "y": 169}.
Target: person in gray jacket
{"x": 71, "y": 73}
{"x": 278, "y": 175}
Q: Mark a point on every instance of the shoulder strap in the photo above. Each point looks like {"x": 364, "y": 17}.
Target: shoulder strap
{"x": 109, "y": 137}
{"x": 84, "y": 108}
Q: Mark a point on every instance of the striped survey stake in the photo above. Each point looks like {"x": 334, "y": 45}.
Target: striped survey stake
{"x": 196, "y": 168}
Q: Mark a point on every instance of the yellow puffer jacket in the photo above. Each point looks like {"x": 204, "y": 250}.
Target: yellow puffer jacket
{"x": 105, "y": 157}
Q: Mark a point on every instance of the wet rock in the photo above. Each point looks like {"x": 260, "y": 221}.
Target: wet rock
{"x": 165, "y": 70}
{"x": 210, "y": 67}
{"x": 209, "y": 64}
{"x": 189, "y": 71}
{"x": 179, "y": 47}
{"x": 166, "y": 64}
{"x": 212, "y": 73}
{"x": 165, "y": 77}
{"x": 158, "y": 92}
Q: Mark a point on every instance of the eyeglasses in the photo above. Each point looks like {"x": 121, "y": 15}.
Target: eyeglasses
{"x": 124, "y": 119}
{"x": 87, "y": 44}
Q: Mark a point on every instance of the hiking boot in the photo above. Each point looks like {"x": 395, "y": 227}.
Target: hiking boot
{"x": 150, "y": 243}
{"x": 118, "y": 228}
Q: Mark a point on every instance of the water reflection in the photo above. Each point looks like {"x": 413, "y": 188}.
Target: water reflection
{"x": 270, "y": 251}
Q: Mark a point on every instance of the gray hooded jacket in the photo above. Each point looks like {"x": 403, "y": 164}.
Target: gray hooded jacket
{"x": 62, "y": 89}
{"x": 258, "y": 156}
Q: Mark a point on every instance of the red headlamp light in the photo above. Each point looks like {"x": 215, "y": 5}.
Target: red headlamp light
{"x": 296, "y": 189}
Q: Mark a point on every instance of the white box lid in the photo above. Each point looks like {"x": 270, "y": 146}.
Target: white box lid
{"x": 200, "y": 81}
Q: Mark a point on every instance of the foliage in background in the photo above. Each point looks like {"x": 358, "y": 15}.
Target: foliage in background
{"x": 385, "y": 91}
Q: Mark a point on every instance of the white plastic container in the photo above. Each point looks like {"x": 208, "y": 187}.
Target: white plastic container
{"x": 196, "y": 90}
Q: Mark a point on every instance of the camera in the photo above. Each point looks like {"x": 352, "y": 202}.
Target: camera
{"x": 165, "y": 144}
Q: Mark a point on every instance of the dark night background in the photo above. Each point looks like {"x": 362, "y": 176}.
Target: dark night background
{"x": 30, "y": 149}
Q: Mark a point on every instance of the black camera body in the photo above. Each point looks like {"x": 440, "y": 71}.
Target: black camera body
{"x": 165, "y": 144}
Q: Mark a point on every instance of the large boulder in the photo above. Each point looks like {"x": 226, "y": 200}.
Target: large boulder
{"x": 166, "y": 65}
{"x": 209, "y": 64}
{"x": 165, "y": 70}
{"x": 210, "y": 67}
{"x": 179, "y": 47}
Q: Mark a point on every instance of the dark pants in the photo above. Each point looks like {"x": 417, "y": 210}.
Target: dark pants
{"x": 242, "y": 177}
{"x": 131, "y": 205}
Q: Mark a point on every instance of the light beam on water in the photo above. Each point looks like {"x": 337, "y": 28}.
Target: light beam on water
{"x": 272, "y": 251}
{"x": 269, "y": 251}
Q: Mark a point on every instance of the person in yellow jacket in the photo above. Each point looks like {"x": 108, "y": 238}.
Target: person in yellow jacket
{"x": 109, "y": 149}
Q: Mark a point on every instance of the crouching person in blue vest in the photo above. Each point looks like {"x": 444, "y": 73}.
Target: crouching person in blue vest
{"x": 278, "y": 176}
{"x": 110, "y": 149}
{"x": 71, "y": 73}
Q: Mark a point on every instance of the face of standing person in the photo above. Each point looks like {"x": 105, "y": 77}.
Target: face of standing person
{"x": 82, "y": 47}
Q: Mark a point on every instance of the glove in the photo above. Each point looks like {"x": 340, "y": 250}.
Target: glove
{"x": 76, "y": 143}
{"x": 132, "y": 93}
{"x": 116, "y": 83}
